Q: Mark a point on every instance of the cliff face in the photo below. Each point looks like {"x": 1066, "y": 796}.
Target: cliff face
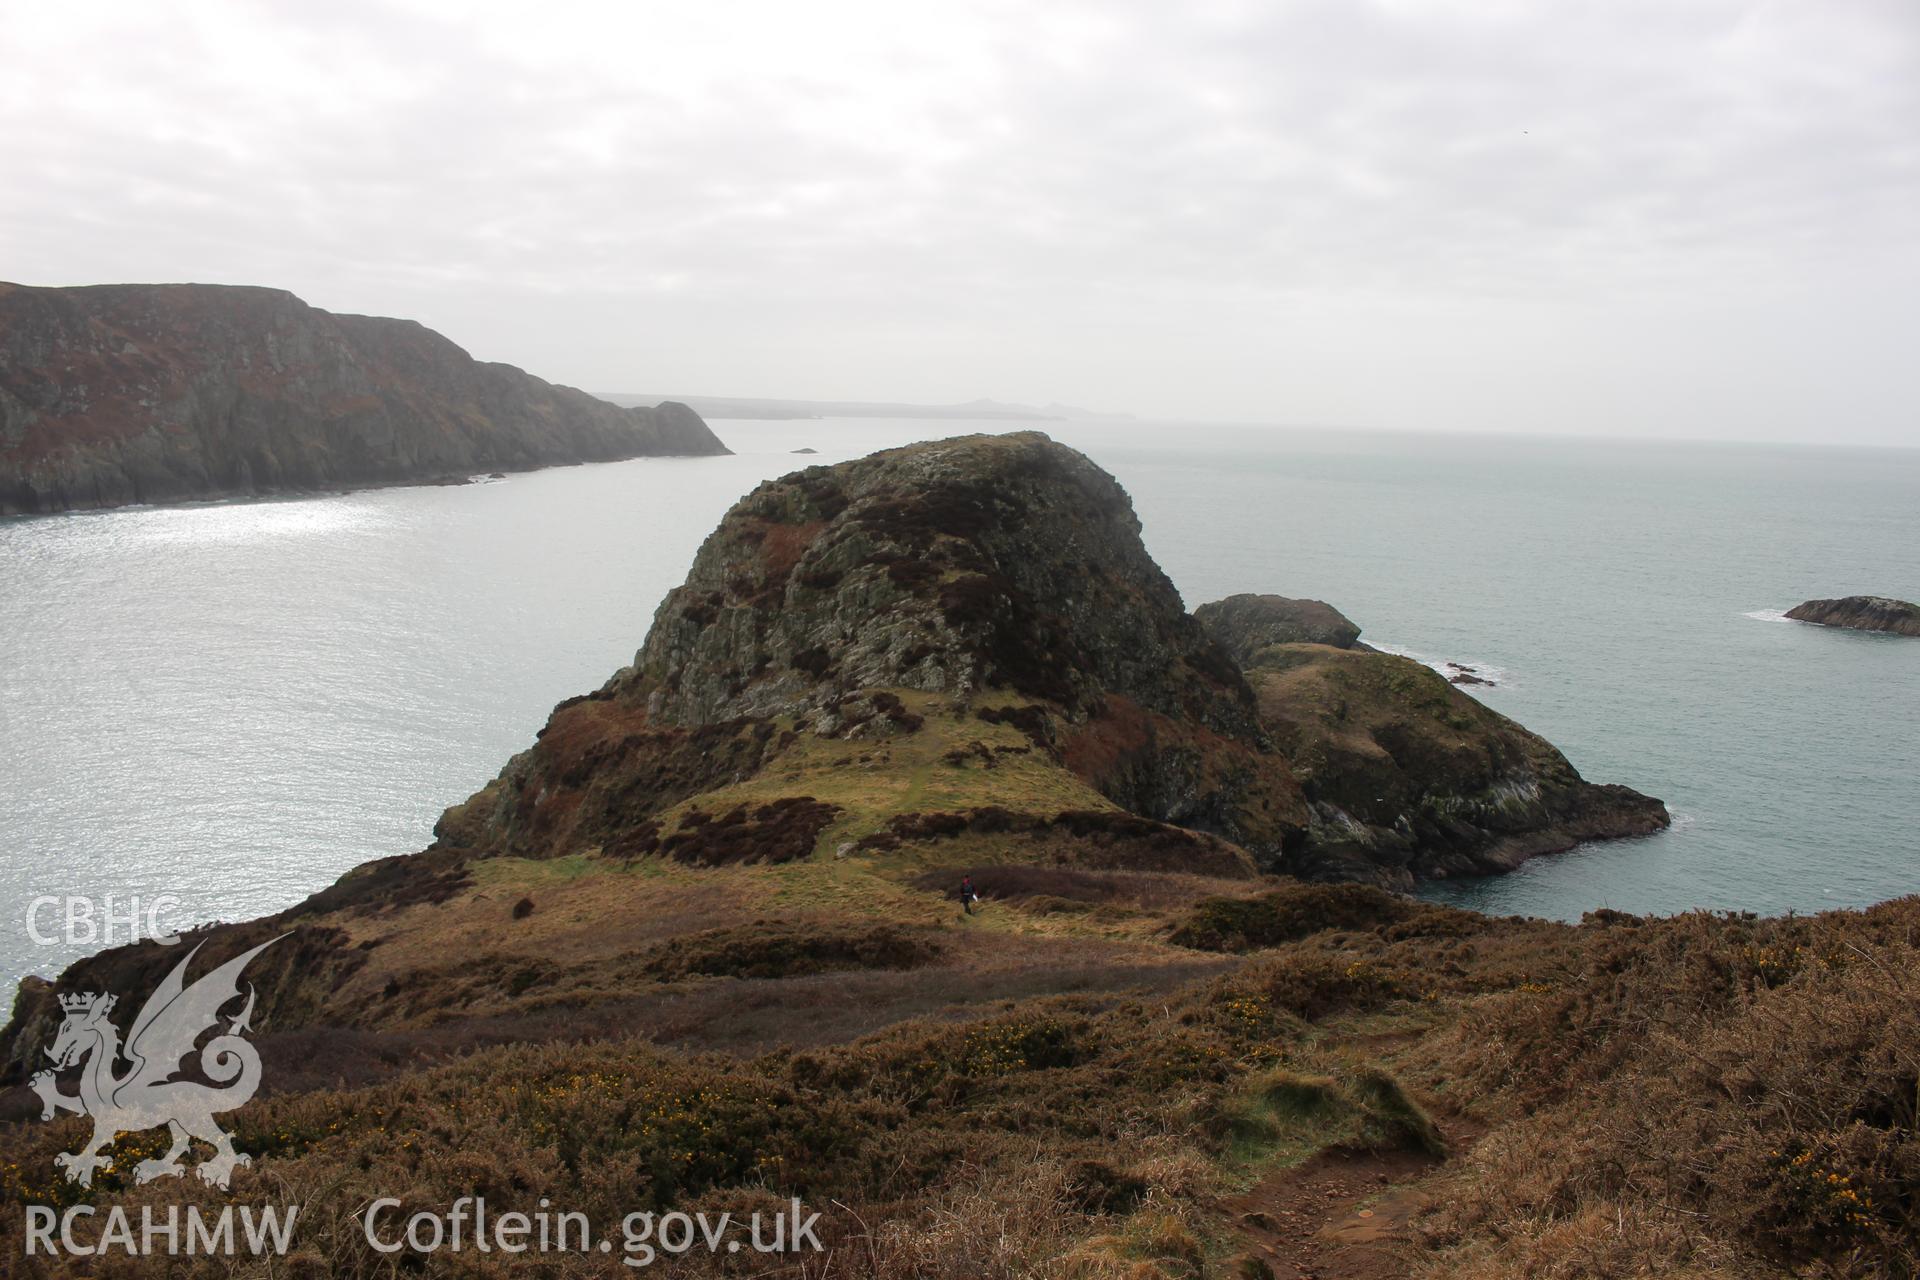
{"x": 1862, "y": 613}
{"x": 116, "y": 394}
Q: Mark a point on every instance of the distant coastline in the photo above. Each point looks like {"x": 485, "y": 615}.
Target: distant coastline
{"x": 972, "y": 410}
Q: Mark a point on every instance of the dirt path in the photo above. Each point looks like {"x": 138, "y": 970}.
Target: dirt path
{"x": 1341, "y": 1215}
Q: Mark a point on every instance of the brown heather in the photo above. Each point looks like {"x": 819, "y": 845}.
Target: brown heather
{"x": 1706, "y": 1096}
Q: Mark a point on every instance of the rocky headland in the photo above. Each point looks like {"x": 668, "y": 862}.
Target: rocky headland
{"x": 118, "y": 394}
{"x": 1861, "y": 613}
{"x": 958, "y": 650}
{"x": 1406, "y": 776}
{"x": 698, "y": 949}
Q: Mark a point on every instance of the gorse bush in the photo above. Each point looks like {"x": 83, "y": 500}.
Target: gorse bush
{"x": 1298, "y": 911}
{"x": 770, "y": 949}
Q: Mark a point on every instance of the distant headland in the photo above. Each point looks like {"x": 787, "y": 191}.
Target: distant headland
{"x": 145, "y": 393}
{"x": 971, "y": 411}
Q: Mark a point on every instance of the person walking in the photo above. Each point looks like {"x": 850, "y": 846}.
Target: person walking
{"x": 967, "y": 896}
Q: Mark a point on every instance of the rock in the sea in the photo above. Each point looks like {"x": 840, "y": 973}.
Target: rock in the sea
{"x": 1862, "y": 613}
{"x": 1409, "y": 777}
{"x": 1246, "y": 624}
{"x": 117, "y": 394}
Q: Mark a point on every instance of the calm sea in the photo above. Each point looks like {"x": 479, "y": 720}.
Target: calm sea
{"x": 233, "y": 704}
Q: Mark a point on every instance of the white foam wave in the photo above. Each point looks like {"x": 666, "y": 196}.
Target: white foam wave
{"x": 1450, "y": 667}
{"x": 1769, "y": 615}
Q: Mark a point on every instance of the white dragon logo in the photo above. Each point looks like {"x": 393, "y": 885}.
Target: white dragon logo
{"x": 147, "y": 1096}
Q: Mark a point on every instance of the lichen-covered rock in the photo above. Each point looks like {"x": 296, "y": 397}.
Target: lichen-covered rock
{"x": 1861, "y": 613}
{"x": 1246, "y": 624}
{"x": 1409, "y": 777}
{"x": 1006, "y": 562}
{"x": 119, "y": 394}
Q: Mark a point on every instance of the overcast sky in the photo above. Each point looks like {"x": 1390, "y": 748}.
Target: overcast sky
{"x": 1690, "y": 218}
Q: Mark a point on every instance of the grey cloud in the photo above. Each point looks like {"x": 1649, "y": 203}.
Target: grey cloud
{"x": 1634, "y": 217}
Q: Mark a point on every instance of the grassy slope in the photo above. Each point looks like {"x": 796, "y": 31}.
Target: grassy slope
{"x": 1333, "y": 709}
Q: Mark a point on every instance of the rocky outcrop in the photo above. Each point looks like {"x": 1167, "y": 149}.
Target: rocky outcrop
{"x": 1409, "y": 777}
{"x": 1861, "y": 613}
{"x": 1003, "y": 573}
{"x": 117, "y": 394}
{"x": 961, "y": 566}
{"x": 1246, "y": 624}
{"x": 1005, "y": 576}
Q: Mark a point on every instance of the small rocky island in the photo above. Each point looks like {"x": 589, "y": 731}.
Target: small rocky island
{"x": 136, "y": 393}
{"x": 1861, "y": 613}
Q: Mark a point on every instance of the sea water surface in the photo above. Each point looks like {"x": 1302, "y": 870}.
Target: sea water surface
{"x": 234, "y": 703}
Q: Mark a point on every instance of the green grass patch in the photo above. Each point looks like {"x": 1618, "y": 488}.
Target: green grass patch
{"x": 529, "y": 873}
{"x": 953, "y": 761}
{"x": 1281, "y": 1117}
